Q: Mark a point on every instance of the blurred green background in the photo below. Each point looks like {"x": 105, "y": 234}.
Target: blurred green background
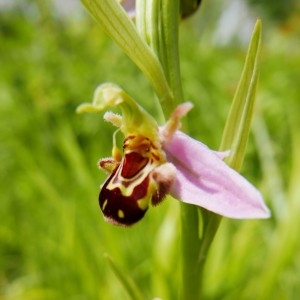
{"x": 52, "y": 234}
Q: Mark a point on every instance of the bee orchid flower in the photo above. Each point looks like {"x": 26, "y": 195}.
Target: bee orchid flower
{"x": 161, "y": 160}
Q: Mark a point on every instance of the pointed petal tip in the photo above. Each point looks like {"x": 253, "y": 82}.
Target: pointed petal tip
{"x": 255, "y": 213}
{"x": 264, "y": 213}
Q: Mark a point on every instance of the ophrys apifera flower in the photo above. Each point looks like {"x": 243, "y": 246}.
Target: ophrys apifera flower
{"x": 161, "y": 160}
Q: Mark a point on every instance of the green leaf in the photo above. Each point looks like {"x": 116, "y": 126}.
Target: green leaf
{"x": 129, "y": 285}
{"x": 114, "y": 20}
{"x": 237, "y": 128}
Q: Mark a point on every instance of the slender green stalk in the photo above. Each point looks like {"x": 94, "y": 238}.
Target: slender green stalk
{"x": 190, "y": 258}
{"x": 195, "y": 245}
{"x": 131, "y": 288}
{"x": 171, "y": 65}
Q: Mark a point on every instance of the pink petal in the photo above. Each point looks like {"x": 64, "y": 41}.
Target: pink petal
{"x": 129, "y": 6}
{"x": 203, "y": 179}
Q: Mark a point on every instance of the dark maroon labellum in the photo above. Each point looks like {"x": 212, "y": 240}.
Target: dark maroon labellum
{"x": 118, "y": 208}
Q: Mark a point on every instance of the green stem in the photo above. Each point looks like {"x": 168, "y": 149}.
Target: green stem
{"x": 211, "y": 223}
{"x": 170, "y": 49}
{"x": 190, "y": 245}
{"x": 130, "y": 286}
{"x": 195, "y": 246}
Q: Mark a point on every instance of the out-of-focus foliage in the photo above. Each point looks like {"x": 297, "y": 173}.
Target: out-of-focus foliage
{"x": 52, "y": 235}
{"x": 278, "y": 11}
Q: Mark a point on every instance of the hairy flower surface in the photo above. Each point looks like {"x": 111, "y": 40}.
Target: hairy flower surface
{"x": 157, "y": 161}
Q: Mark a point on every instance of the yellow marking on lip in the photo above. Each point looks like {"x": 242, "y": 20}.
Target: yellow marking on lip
{"x": 143, "y": 203}
{"x": 121, "y": 214}
{"x": 104, "y": 204}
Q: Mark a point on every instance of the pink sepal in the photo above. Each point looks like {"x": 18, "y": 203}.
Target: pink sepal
{"x": 203, "y": 179}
